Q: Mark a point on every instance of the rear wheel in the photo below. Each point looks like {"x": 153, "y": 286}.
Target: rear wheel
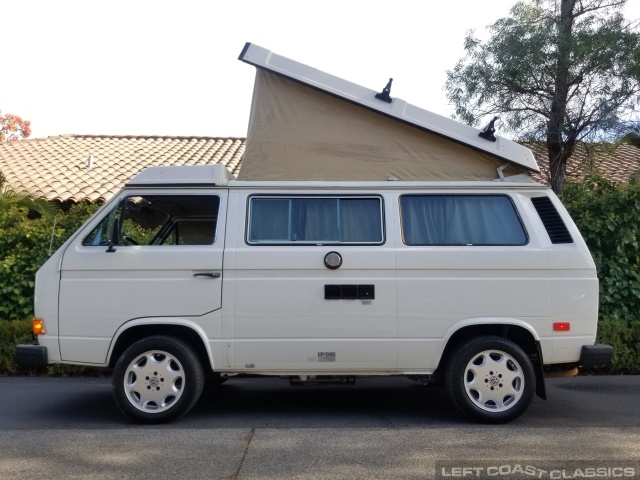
{"x": 157, "y": 379}
{"x": 491, "y": 379}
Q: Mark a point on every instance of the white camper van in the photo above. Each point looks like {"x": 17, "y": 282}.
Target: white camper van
{"x": 187, "y": 273}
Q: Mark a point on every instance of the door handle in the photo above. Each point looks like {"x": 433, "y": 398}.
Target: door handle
{"x": 207, "y": 274}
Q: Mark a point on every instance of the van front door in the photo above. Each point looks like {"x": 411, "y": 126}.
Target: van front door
{"x": 157, "y": 253}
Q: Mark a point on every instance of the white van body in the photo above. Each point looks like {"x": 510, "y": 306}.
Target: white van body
{"x": 276, "y": 308}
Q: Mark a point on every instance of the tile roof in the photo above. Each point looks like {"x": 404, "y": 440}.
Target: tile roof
{"x": 617, "y": 164}
{"x": 57, "y": 167}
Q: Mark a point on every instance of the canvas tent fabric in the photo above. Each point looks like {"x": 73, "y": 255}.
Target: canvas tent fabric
{"x": 297, "y": 132}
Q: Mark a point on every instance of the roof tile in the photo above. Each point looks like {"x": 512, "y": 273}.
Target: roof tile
{"x": 617, "y": 164}
{"x": 57, "y": 167}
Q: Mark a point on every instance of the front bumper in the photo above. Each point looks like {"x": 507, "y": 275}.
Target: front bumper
{"x": 32, "y": 355}
{"x": 592, "y": 355}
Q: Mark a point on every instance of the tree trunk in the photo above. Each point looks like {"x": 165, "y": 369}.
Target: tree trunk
{"x": 557, "y": 172}
{"x": 560, "y": 149}
{"x": 559, "y": 154}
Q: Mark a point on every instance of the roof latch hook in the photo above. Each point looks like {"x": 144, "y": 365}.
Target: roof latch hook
{"x": 488, "y": 131}
{"x": 384, "y": 94}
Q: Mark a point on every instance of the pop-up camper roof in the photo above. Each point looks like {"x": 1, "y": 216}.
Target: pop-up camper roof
{"x": 306, "y": 124}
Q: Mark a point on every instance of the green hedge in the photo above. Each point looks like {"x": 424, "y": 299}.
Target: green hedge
{"x": 624, "y": 337}
{"x": 13, "y": 333}
{"x": 24, "y": 245}
{"x": 608, "y": 216}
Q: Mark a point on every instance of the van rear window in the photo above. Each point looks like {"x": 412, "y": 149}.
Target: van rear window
{"x": 315, "y": 220}
{"x": 460, "y": 220}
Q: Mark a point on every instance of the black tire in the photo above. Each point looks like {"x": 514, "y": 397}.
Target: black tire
{"x": 490, "y": 379}
{"x": 157, "y": 379}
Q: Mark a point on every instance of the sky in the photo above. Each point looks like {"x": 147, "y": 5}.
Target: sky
{"x": 140, "y": 67}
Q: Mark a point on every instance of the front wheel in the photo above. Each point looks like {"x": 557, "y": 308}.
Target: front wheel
{"x": 157, "y": 379}
{"x": 491, "y": 379}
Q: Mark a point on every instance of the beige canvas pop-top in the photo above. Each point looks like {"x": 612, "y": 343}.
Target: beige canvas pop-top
{"x": 309, "y": 125}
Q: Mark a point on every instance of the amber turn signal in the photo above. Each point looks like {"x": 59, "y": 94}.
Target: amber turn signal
{"x": 38, "y": 326}
{"x": 561, "y": 327}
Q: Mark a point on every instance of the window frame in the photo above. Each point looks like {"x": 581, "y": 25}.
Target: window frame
{"x": 513, "y": 205}
{"x": 307, "y": 243}
{"x": 113, "y": 218}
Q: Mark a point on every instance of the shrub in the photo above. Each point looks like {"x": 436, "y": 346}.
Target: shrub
{"x": 13, "y": 333}
{"x": 24, "y": 245}
{"x": 624, "y": 337}
{"x": 608, "y": 216}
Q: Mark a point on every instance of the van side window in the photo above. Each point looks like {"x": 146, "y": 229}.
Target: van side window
{"x": 315, "y": 220}
{"x": 460, "y": 220}
{"x": 159, "y": 220}
{"x": 101, "y": 233}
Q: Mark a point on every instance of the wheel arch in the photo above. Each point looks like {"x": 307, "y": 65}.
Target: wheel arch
{"x": 135, "y": 330}
{"x": 519, "y": 332}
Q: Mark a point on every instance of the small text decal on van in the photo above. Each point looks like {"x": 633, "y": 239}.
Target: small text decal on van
{"x": 326, "y": 356}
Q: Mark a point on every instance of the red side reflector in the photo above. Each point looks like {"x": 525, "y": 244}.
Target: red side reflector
{"x": 561, "y": 327}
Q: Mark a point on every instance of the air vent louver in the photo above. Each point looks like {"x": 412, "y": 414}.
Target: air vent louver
{"x": 552, "y": 221}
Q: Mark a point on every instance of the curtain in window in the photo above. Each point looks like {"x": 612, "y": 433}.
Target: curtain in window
{"x": 460, "y": 220}
{"x": 360, "y": 220}
{"x": 314, "y": 220}
{"x": 269, "y": 220}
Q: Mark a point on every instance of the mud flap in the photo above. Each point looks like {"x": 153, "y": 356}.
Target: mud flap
{"x": 538, "y": 365}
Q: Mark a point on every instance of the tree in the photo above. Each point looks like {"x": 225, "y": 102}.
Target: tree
{"x": 562, "y": 71}
{"x": 12, "y": 127}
